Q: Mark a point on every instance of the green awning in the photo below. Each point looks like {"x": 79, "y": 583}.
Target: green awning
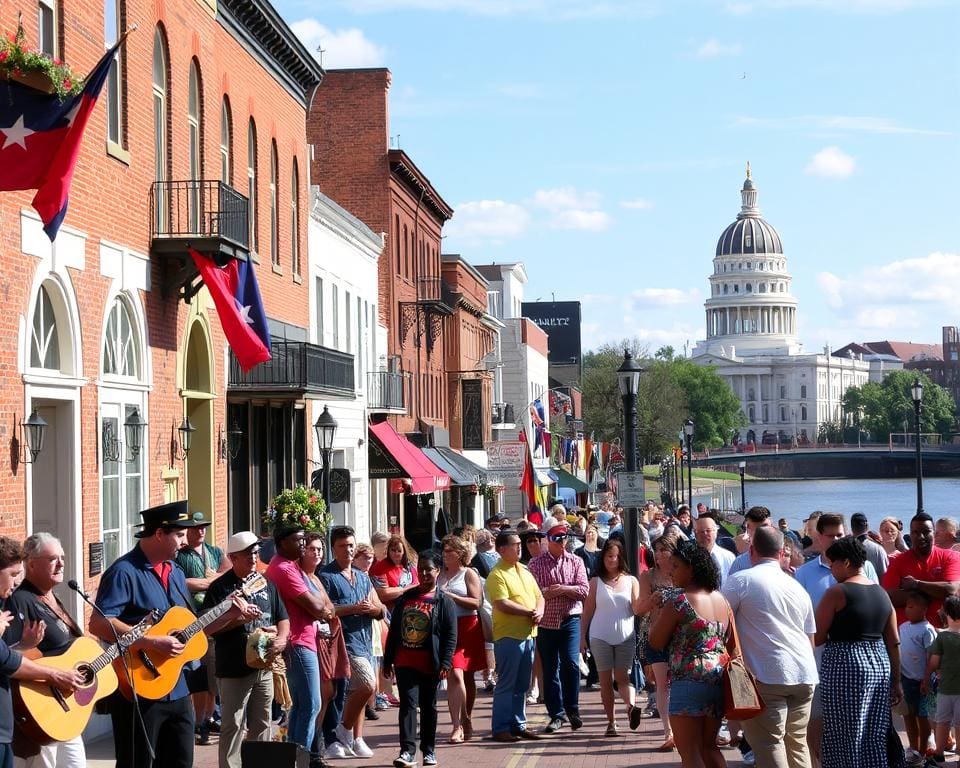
{"x": 566, "y": 480}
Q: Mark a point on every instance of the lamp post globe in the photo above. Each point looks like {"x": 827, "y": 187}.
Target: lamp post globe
{"x": 628, "y": 379}
{"x": 326, "y": 428}
{"x": 688, "y": 428}
{"x": 916, "y": 393}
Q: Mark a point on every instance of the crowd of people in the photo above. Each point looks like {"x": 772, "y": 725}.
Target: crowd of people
{"x": 841, "y": 628}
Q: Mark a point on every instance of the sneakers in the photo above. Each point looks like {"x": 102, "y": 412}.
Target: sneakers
{"x": 584, "y": 667}
{"x": 405, "y": 760}
{"x": 489, "y": 685}
{"x": 370, "y": 713}
{"x": 913, "y": 759}
{"x": 576, "y": 722}
{"x": 381, "y": 703}
{"x": 344, "y": 736}
{"x": 554, "y": 725}
{"x": 723, "y": 736}
{"x": 392, "y": 700}
{"x": 429, "y": 759}
{"x": 360, "y": 748}
{"x": 749, "y": 758}
{"x": 336, "y": 751}
{"x": 636, "y": 716}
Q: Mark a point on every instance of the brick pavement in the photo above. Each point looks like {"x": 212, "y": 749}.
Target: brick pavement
{"x": 586, "y": 748}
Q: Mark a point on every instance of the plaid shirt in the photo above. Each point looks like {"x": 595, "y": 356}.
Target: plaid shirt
{"x": 568, "y": 570}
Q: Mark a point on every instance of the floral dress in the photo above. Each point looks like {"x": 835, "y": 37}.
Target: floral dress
{"x": 698, "y": 654}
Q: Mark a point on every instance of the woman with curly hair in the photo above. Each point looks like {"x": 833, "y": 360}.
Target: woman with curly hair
{"x": 695, "y": 624}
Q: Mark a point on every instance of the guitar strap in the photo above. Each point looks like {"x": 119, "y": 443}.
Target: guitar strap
{"x": 61, "y": 613}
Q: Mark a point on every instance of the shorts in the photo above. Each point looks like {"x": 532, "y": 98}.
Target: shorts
{"x": 361, "y": 674}
{"x": 948, "y": 709}
{"x": 651, "y": 656}
{"x": 695, "y": 698}
{"x": 915, "y": 702}
{"x": 609, "y": 657}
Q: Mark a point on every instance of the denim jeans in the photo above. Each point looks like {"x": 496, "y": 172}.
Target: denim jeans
{"x": 559, "y": 654}
{"x": 331, "y": 717}
{"x": 303, "y": 677}
{"x": 514, "y": 666}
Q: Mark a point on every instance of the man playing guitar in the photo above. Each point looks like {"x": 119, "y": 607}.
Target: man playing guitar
{"x": 138, "y": 582}
{"x": 42, "y": 627}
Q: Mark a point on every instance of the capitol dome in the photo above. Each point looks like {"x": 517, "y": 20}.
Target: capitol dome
{"x": 750, "y": 233}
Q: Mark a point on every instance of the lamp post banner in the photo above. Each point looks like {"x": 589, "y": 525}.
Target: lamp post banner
{"x": 630, "y": 489}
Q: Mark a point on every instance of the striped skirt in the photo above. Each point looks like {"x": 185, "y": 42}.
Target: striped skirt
{"x": 855, "y": 687}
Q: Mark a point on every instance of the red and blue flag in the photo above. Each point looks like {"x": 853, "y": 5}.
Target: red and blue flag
{"x": 40, "y": 139}
{"x": 236, "y": 294}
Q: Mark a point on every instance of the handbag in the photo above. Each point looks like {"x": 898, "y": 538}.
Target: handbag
{"x": 741, "y": 696}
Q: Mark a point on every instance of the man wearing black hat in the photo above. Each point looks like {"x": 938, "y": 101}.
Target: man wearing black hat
{"x": 143, "y": 580}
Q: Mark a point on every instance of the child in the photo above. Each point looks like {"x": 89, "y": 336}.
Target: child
{"x": 945, "y": 656}
{"x": 916, "y": 636}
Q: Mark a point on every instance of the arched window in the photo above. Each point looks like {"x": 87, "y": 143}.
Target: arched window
{"x": 160, "y": 124}
{"x": 121, "y": 343}
{"x": 274, "y": 218}
{"x": 45, "y": 339}
{"x": 194, "y": 144}
{"x": 252, "y": 183}
{"x": 749, "y": 288}
{"x": 226, "y": 142}
{"x": 295, "y": 217}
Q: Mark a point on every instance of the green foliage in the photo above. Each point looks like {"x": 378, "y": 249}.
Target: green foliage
{"x": 297, "y": 506}
{"x": 884, "y": 407}
{"x": 17, "y": 59}
{"x": 672, "y": 389}
{"x": 830, "y": 432}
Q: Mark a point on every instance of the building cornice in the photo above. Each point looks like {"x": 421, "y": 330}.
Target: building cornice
{"x": 406, "y": 171}
{"x": 344, "y": 224}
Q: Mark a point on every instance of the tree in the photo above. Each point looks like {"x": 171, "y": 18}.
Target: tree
{"x": 885, "y": 407}
{"x": 713, "y": 407}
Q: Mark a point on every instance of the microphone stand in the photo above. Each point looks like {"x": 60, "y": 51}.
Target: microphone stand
{"x": 126, "y": 669}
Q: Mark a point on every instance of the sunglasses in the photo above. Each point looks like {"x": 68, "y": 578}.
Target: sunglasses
{"x": 557, "y": 537}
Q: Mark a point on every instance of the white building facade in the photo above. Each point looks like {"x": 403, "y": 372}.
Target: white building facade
{"x": 752, "y": 322}
{"x": 343, "y": 256}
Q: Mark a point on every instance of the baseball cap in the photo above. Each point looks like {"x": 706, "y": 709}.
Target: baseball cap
{"x": 557, "y": 533}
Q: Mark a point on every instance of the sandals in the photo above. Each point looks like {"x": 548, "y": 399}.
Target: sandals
{"x": 612, "y": 729}
{"x": 457, "y": 736}
{"x": 667, "y": 746}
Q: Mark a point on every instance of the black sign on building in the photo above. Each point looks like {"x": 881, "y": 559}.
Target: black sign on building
{"x": 560, "y": 320}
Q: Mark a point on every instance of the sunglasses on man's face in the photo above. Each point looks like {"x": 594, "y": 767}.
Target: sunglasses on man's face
{"x": 558, "y": 537}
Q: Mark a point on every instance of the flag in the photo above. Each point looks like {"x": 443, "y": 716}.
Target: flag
{"x": 528, "y": 483}
{"x": 236, "y": 295}
{"x": 41, "y": 141}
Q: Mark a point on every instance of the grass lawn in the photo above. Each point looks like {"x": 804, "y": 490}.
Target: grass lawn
{"x": 652, "y": 472}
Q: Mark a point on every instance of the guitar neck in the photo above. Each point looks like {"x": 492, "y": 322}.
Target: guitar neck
{"x": 207, "y": 619}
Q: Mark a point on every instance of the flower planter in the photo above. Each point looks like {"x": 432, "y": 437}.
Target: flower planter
{"x": 39, "y": 81}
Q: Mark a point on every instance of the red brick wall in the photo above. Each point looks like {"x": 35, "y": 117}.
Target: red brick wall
{"x": 109, "y": 202}
{"x": 535, "y": 337}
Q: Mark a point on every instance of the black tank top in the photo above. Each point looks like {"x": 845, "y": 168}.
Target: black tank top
{"x": 864, "y": 616}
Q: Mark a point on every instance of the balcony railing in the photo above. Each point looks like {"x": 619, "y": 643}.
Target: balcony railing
{"x": 502, "y": 417}
{"x": 435, "y": 291}
{"x": 297, "y": 366}
{"x": 199, "y": 209}
{"x": 385, "y": 391}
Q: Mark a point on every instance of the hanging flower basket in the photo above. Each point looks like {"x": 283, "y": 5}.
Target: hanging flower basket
{"x": 297, "y": 506}
{"x": 35, "y": 69}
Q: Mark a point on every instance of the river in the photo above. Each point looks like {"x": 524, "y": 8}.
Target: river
{"x": 796, "y": 499}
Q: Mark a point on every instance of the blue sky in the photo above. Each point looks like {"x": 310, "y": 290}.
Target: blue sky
{"x": 603, "y": 143}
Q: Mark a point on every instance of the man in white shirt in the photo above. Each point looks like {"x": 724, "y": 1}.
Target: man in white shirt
{"x": 775, "y": 625}
{"x": 705, "y": 529}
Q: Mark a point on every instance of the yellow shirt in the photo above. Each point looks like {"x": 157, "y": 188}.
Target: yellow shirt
{"x": 514, "y": 583}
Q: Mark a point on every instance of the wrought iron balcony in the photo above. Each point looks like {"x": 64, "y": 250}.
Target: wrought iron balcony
{"x": 435, "y": 294}
{"x": 210, "y": 216}
{"x": 503, "y": 417}
{"x": 297, "y": 367}
{"x": 385, "y": 391}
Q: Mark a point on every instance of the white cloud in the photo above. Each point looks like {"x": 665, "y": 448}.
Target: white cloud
{"x": 664, "y": 297}
{"x": 341, "y": 47}
{"x": 713, "y": 48}
{"x": 831, "y": 163}
{"x": 637, "y": 204}
{"x": 591, "y": 221}
{"x": 488, "y": 220}
{"x": 907, "y": 294}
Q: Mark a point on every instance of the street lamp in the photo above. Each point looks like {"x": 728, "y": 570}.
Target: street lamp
{"x": 186, "y": 430}
{"x": 916, "y": 392}
{"x": 34, "y": 429}
{"x": 326, "y": 428}
{"x": 743, "y": 489}
{"x": 688, "y": 427}
{"x": 628, "y": 378}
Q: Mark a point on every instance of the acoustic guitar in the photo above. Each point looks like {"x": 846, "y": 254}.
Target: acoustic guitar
{"x": 45, "y": 713}
{"x": 154, "y": 676}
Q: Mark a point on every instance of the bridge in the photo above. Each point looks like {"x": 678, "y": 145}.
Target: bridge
{"x": 833, "y": 461}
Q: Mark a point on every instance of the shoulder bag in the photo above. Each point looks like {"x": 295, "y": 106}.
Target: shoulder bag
{"x": 741, "y": 697}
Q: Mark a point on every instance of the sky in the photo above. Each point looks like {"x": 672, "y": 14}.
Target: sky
{"x": 603, "y": 143}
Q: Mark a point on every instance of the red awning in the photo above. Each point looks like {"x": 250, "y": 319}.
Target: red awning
{"x": 425, "y": 476}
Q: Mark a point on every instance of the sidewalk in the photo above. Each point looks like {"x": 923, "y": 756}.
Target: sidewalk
{"x": 585, "y": 748}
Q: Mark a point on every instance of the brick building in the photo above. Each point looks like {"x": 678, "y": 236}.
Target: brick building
{"x": 198, "y": 138}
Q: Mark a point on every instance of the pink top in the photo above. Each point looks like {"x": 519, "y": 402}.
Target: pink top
{"x": 290, "y": 581}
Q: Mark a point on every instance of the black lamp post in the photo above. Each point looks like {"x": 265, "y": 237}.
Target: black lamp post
{"x": 628, "y": 378}
{"x": 326, "y": 428}
{"x": 743, "y": 489}
{"x": 688, "y": 434}
{"x": 916, "y": 392}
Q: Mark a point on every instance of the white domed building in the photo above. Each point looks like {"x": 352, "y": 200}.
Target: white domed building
{"x": 751, "y": 319}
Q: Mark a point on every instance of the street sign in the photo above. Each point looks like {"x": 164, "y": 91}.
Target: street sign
{"x": 630, "y": 490}
{"x": 507, "y": 459}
